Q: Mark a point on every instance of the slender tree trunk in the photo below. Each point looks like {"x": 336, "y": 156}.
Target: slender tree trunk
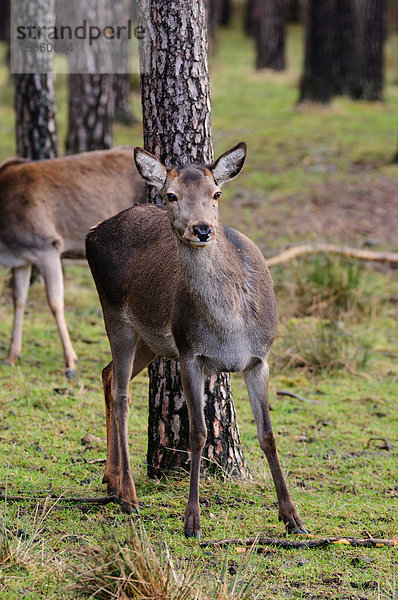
{"x": 226, "y": 12}
{"x": 250, "y": 16}
{"x": 269, "y": 33}
{"x": 293, "y": 11}
{"x": 121, "y": 91}
{"x": 90, "y": 112}
{"x": 34, "y": 99}
{"x": 213, "y": 18}
{"x": 316, "y": 83}
{"x": 91, "y": 98}
{"x": 121, "y": 9}
{"x": 344, "y": 46}
{"x": 5, "y": 20}
{"x": 177, "y": 129}
{"x": 369, "y": 83}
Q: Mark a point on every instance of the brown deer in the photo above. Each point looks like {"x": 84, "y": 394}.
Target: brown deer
{"x": 179, "y": 284}
{"x": 47, "y": 207}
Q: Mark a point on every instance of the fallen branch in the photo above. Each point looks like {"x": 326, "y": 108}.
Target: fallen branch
{"x": 293, "y": 395}
{"x": 290, "y": 253}
{"x": 292, "y": 544}
{"x": 101, "y": 500}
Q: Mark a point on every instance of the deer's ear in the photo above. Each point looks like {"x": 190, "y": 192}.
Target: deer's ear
{"x": 150, "y": 168}
{"x": 229, "y": 164}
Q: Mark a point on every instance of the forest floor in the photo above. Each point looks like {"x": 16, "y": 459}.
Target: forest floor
{"x": 312, "y": 174}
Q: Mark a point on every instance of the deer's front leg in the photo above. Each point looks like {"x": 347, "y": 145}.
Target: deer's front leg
{"x": 257, "y": 386}
{"x": 193, "y": 387}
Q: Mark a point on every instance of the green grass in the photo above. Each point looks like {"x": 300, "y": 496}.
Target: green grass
{"x": 342, "y": 480}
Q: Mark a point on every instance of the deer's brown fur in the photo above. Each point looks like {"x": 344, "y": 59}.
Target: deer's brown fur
{"x": 47, "y": 207}
{"x": 175, "y": 282}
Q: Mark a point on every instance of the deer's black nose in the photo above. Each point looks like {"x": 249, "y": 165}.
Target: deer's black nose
{"x": 202, "y": 232}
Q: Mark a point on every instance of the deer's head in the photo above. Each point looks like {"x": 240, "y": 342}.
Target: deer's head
{"x": 191, "y": 192}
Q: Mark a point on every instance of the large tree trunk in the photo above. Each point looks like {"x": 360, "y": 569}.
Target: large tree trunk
{"x": 316, "y": 83}
{"x": 177, "y": 129}
{"x": 369, "y": 83}
{"x": 35, "y": 108}
{"x": 344, "y": 46}
{"x": 269, "y": 33}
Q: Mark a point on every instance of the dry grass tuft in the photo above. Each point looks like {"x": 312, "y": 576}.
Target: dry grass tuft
{"x": 134, "y": 570}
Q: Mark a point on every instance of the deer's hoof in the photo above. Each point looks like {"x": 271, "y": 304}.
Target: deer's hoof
{"x": 189, "y": 533}
{"x": 8, "y": 362}
{"x": 70, "y": 373}
{"x": 296, "y": 527}
{"x": 129, "y": 508}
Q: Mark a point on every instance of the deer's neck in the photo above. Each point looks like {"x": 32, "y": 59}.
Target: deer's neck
{"x": 217, "y": 282}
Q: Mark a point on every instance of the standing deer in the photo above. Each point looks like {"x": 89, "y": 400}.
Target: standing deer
{"x": 179, "y": 284}
{"x": 47, "y": 207}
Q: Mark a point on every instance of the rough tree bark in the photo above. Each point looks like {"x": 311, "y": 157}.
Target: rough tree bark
{"x": 91, "y": 98}
{"x": 269, "y": 33}
{"x": 316, "y": 83}
{"x": 177, "y": 129}
{"x": 344, "y": 46}
{"x": 369, "y": 82}
{"x": 34, "y": 98}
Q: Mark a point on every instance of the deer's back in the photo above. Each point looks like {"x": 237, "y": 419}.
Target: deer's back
{"x": 62, "y": 198}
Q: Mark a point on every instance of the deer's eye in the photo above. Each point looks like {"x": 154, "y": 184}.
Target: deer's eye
{"x": 171, "y": 197}
{"x": 217, "y": 195}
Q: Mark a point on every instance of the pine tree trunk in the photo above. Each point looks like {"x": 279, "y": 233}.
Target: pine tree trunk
{"x": 91, "y": 99}
{"x": 121, "y": 96}
{"x": 177, "y": 129}
{"x": 90, "y": 112}
{"x": 5, "y": 20}
{"x": 226, "y": 12}
{"x": 344, "y": 46}
{"x": 269, "y": 33}
{"x": 250, "y": 16}
{"x": 213, "y": 18}
{"x": 316, "y": 83}
{"x": 293, "y": 12}
{"x": 369, "y": 84}
{"x": 34, "y": 99}
{"x": 121, "y": 78}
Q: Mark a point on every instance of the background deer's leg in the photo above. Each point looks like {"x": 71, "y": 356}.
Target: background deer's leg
{"x": 51, "y": 268}
{"x": 257, "y": 386}
{"x": 20, "y": 288}
{"x": 143, "y": 356}
{"x": 193, "y": 387}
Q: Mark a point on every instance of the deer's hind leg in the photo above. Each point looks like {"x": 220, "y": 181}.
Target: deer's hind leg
{"x": 50, "y": 267}
{"x": 257, "y": 386}
{"x": 20, "y": 288}
{"x": 130, "y": 357}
